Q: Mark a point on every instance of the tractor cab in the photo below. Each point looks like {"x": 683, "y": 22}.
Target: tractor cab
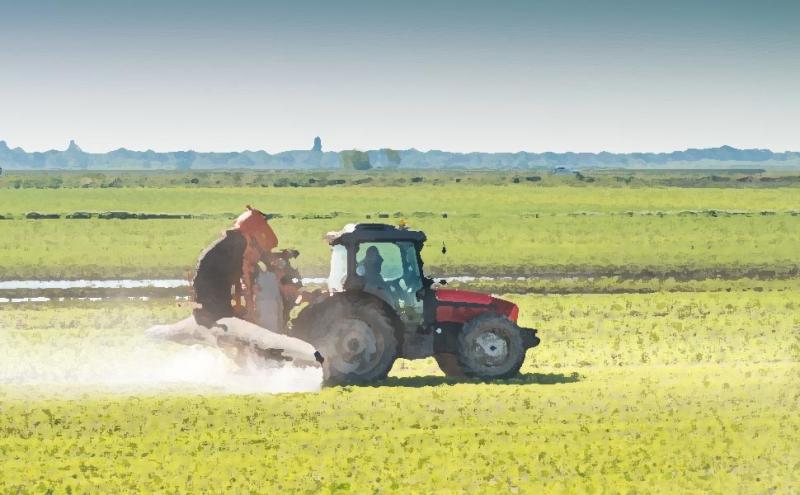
{"x": 384, "y": 261}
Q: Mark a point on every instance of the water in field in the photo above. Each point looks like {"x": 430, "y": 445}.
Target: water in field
{"x": 43, "y": 291}
{"x": 92, "y": 284}
{"x": 164, "y": 283}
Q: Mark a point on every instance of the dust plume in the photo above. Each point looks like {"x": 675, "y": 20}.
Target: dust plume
{"x": 148, "y": 367}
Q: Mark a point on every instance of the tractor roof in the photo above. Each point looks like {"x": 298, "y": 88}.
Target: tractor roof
{"x": 373, "y": 232}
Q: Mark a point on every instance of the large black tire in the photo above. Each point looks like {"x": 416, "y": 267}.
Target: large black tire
{"x": 355, "y": 335}
{"x": 490, "y": 347}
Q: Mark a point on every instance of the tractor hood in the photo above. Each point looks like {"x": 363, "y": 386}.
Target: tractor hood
{"x": 462, "y": 305}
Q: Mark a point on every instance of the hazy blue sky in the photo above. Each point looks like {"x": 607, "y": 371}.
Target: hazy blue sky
{"x": 459, "y": 76}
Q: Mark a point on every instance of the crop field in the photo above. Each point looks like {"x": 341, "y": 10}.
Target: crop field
{"x": 669, "y": 362}
{"x": 589, "y": 231}
{"x": 655, "y": 393}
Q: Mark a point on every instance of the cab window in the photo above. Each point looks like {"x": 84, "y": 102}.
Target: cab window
{"x": 391, "y": 271}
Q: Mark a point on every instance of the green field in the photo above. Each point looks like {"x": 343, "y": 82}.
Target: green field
{"x": 627, "y": 393}
{"x": 669, "y": 318}
{"x": 510, "y": 229}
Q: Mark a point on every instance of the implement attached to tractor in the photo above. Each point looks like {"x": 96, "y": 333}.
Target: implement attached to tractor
{"x": 381, "y": 307}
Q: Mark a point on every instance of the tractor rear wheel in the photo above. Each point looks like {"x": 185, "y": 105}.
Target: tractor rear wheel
{"x": 489, "y": 347}
{"x": 354, "y": 334}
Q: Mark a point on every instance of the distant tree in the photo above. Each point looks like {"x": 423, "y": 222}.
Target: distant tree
{"x": 392, "y": 157}
{"x": 239, "y": 160}
{"x": 183, "y": 159}
{"x": 354, "y": 160}
{"x": 317, "y": 144}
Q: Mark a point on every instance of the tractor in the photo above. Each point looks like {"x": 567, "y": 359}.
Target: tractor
{"x": 382, "y": 307}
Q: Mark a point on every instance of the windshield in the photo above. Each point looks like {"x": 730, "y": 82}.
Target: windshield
{"x": 389, "y": 262}
{"x": 380, "y": 263}
{"x": 390, "y": 270}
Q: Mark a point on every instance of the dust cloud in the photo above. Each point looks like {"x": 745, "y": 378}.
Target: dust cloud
{"x": 151, "y": 368}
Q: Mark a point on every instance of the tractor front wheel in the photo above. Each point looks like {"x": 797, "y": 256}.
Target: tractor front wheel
{"x": 490, "y": 347}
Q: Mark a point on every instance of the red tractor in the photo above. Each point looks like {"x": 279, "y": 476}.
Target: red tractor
{"x": 383, "y": 307}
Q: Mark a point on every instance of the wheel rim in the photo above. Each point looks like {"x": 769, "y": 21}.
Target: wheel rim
{"x": 353, "y": 346}
{"x": 491, "y": 349}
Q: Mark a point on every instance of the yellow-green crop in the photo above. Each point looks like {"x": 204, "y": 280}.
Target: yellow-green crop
{"x": 655, "y": 393}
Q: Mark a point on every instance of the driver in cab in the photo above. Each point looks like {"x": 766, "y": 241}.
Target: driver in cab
{"x": 370, "y": 270}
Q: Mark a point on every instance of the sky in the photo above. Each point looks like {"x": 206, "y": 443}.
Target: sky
{"x": 560, "y": 75}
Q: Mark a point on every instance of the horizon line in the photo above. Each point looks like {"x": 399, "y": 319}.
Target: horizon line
{"x": 73, "y": 141}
